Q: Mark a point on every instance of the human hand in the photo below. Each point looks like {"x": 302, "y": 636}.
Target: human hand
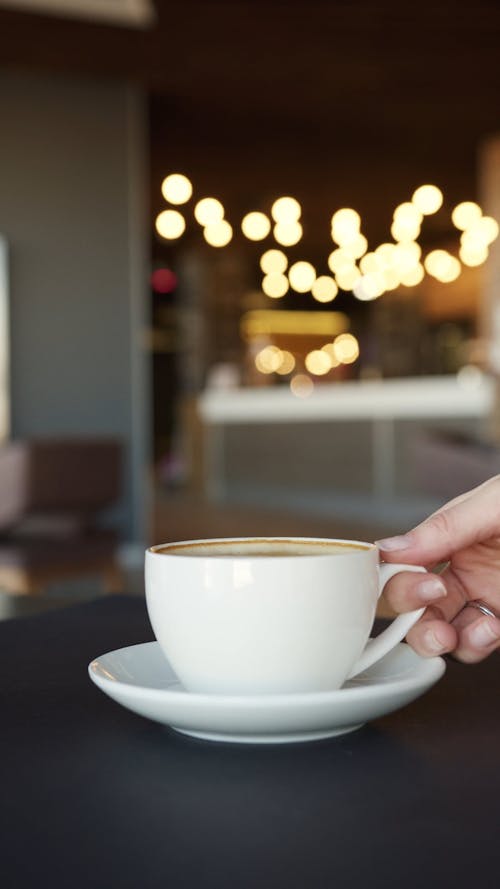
{"x": 464, "y": 533}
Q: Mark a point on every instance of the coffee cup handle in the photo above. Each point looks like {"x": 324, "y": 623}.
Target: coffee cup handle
{"x": 377, "y": 648}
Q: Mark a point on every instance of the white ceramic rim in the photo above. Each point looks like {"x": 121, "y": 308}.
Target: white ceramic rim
{"x": 362, "y": 544}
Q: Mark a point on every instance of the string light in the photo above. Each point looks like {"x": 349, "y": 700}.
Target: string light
{"x": 287, "y": 234}
{"x": 286, "y": 210}
{"x": 302, "y": 276}
{"x": 324, "y": 289}
{"x": 371, "y": 263}
{"x": 473, "y": 254}
{"x": 383, "y": 269}
{"x": 340, "y": 260}
{"x": 406, "y": 256}
{"x": 345, "y": 225}
{"x": 347, "y": 278}
{"x": 369, "y": 287}
{"x": 466, "y": 214}
{"x": 385, "y": 253}
{"x": 391, "y": 278}
{"x": 442, "y": 266}
{"x": 275, "y": 285}
{"x": 428, "y": 199}
{"x": 176, "y": 188}
{"x": 413, "y": 276}
{"x": 218, "y": 234}
{"x": 357, "y": 247}
{"x": 406, "y": 224}
{"x": 208, "y": 211}
{"x": 273, "y": 261}
{"x": 255, "y": 226}
{"x": 170, "y": 224}
{"x": 483, "y": 231}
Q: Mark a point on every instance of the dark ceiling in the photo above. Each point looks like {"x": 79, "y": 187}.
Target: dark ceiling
{"x": 343, "y": 103}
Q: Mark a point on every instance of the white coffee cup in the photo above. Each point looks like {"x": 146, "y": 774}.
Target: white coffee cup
{"x": 269, "y": 615}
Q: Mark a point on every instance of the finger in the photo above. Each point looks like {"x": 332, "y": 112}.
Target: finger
{"x": 469, "y": 518}
{"x": 432, "y": 635}
{"x": 407, "y": 590}
{"x": 478, "y": 637}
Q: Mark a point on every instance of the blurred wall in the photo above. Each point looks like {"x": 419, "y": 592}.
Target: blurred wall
{"x": 73, "y": 177}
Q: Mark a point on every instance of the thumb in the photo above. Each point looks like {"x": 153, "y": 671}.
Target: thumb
{"x": 470, "y": 518}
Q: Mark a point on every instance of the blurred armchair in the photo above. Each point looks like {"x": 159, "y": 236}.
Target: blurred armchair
{"x": 51, "y": 494}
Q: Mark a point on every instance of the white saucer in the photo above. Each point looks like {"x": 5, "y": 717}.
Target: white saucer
{"x": 141, "y": 679}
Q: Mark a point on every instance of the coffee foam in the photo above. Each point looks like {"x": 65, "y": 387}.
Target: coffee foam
{"x": 260, "y": 547}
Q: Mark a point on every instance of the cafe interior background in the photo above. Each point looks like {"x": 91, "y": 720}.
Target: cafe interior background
{"x": 249, "y": 276}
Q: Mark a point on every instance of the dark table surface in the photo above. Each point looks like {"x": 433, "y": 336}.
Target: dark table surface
{"x": 93, "y": 796}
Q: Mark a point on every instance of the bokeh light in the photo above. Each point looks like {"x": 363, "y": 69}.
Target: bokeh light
{"x": 273, "y": 261}
{"x": 347, "y": 278}
{"x": 324, "y": 289}
{"x": 442, "y": 266}
{"x": 163, "y": 280}
{"x": 428, "y": 199}
{"x": 218, "y": 234}
{"x": 483, "y": 231}
{"x": 255, "y": 226}
{"x": 208, "y": 211}
{"x": 301, "y": 385}
{"x": 170, "y": 224}
{"x": 371, "y": 262}
{"x": 369, "y": 286}
{"x": 345, "y": 225}
{"x": 406, "y": 224}
{"x": 406, "y": 256}
{"x": 302, "y": 276}
{"x": 330, "y": 351}
{"x": 268, "y": 360}
{"x": 287, "y": 234}
{"x": 346, "y": 348}
{"x": 357, "y": 247}
{"x": 473, "y": 254}
{"x": 385, "y": 253}
{"x": 408, "y": 212}
{"x": 340, "y": 260}
{"x": 287, "y": 364}
{"x": 286, "y": 210}
{"x": 413, "y": 276}
{"x": 275, "y": 285}
{"x": 318, "y": 362}
{"x": 466, "y": 214}
{"x": 176, "y": 188}
{"x": 391, "y": 278}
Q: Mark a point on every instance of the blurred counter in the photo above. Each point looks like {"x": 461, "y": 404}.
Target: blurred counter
{"x": 408, "y": 398}
{"x": 361, "y": 414}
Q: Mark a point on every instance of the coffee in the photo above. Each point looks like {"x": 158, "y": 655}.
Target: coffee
{"x": 256, "y": 547}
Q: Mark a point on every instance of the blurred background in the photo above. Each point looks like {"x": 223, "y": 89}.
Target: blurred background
{"x": 249, "y": 276}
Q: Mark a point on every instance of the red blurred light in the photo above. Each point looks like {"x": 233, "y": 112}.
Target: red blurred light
{"x": 163, "y": 281}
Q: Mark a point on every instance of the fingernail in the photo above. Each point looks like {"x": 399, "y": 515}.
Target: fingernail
{"x": 432, "y": 643}
{"x": 484, "y": 633}
{"x": 431, "y": 589}
{"x": 391, "y": 544}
